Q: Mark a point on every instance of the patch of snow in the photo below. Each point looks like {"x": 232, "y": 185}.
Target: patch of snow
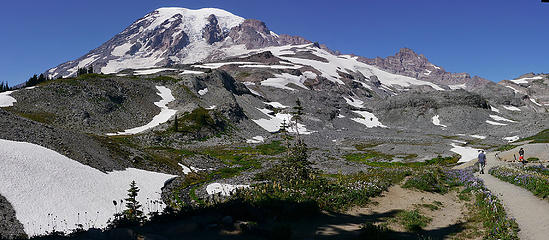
{"x": 203, "y": 91}
{"x": 121, "y": 50}
{"x": 29, "y": 88}
{"x": 478, "y": 136}
{"x": 152, "y": 71}
{"x": 274, "y": 34}
{"x": 340, "y": 116}
{"x": 495, "y": 123}
{"x": 494, "y": 109}
{"x": 355, "y": 102}
{"x": 218, "y": 65}
{"x": 256, "y": 139}
{"x": 309, "y": 74}
{"x": 511, "y": 108}
{"x": 68, "y": 192}
{"x": 457, "y": 86}
{"x": 428, "y": 72}
{"x": 271, "y": 66}
{"x": 525, "y": 80}
{"x": 190, "y": 72}
{"x": 273, "y": 123}
{"x": 511, "y": 139}
{"x": 6, "y": 100}
{"x": 164, "y": 115}
{"x": 436, "y": 121}
{"x": 276, "y": 104}
{"x": 436, "y": 67}
{"x": 186, "y": 170}
{"x": 534, "y": 101}
{"x": 281, "y": 80}
{"x": 368, "y": 119}
{"x": 458, "y": 141}
{"x": 498, "y": 118}
{"x": 514, "y": 89}
{"x": 467, "y": 153}
{"x": 223, "y": 188}
{"x": 212, "y": 107}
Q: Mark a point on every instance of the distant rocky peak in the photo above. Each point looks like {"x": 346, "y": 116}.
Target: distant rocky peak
{"x": 212, "y": 32}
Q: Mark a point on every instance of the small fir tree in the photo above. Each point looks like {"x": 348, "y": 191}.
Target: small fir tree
{"x": 133, "y": 212}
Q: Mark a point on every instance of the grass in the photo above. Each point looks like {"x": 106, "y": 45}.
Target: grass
{"x": 505, "y": 148}
{"x": 368, "y": 155}
{"x": 412, "y": 220}
{"x": 541, "y": 137}
{"x": 538, "y": 185}
{"x": 365, "y": 159}
{"x": 43, "y": 117}
{"x": 429, "y": 180}
{"x": 272, "y": 148}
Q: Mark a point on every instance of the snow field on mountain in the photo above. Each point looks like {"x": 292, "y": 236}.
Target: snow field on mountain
{"x": 276, "y": 104}
{"x": 164, "y": 115}
{"x": 256, "y": 139}
{"x": 511, "y": 108}
{"x": 221, "y": 64}
{"x": 534, "y": 101}
{"x": 436, "y": 121}
{"x": 457, "y": 86}
{"x": 525, "y": 80}
{"x": 467, "y": 153}
{"x": 368, "y": 119}
{"x": 494, "y": 109}
{"x": 498, "y": 118}
{"x": 49, "y": 190}
{"x": 6, "y": 100}
{"x": 355, "y": 102}
{"x": 282, "y": 80}
{"x": 152, "y": 71}
{"x": 273, "y": 123}
{"x": 478, "y": 136}
{"x": 223, "y": 188}
{"x": 270, "y": 66}
{"x": 495, "y": 123}
{"x": 203, "y": 92}
{"x": 511, "y": 139}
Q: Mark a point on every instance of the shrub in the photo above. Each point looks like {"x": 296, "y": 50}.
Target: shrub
{"x": 412, "y": 220}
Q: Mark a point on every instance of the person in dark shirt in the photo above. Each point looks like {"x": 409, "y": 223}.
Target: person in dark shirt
{"x": 482, "y": 161}
{"x": 521, "y": 156}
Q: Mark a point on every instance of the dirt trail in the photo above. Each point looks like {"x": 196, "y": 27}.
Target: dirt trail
{"x": 530, "y": 212}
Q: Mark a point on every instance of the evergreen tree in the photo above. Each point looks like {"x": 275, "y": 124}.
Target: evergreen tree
{"x": 176, "y": 124}
{"x": 133, "y": 212}
{"x": 90, "y": 69}
{"x": 32, "y": 81}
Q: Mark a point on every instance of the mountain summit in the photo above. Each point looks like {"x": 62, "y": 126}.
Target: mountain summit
{"x": 176, "y": 36}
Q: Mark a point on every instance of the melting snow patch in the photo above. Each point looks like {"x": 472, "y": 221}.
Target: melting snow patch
{"x": 498, "y": 118}
{"x": 534, "y": 101}
{"x": 271, "y": 66}
{"x": 355, "y": 102}
{"x": 511, "y": 139}
{"x": 436, "y": 121}
{"x": 467, "y": 153}
{"x": 495, "y": 123}
{"x": 281, "y": 80}
{"x": 525, "y": 80}
{"x": 368, "y": 119}
{"x": 190, "y": 72}
{"x": 68, "y": 193}
{"x": 275, "y": 104}
{"x": 186, "y": 170}
{"x": 309, "y": 74}
{"x": 152, "y": 71}
{"x": 6, "y": 100}
{"x": 457, "y": 86}
{"x": 212, "y": 107}
{"x": 340, "y": 116}
{"x": 458, "y": 141}
{"x": 164, "y": 115}
{"x": 223, "y": 188}
{"x": 512, "y": 108}
{"x": 514, "y": 89}
{"x": 494, "y": 109}
{"x": 478, "y": 136}
{"x": 273, "y": 123}
{"x": 218, "y": 65}
{"x": 256, "y": 139}
{"x": 203, "y": 91}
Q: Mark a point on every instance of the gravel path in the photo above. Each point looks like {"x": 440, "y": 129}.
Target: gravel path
{"x": 530, "y": 212}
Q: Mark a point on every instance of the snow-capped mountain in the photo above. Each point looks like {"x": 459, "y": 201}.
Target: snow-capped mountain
{"x": 176, "y": 36}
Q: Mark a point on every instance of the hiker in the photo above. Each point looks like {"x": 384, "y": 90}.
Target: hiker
{"x": 521, "y": 156}
{"x": 481, "y": 161}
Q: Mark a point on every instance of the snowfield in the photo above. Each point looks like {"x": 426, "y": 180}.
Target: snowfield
{"x": 48, "y": 190}
{"x": 281, "y": 80}
{"x": 273, "y": 123}
{"x": 203, "y": 92}
{"x": 256, "y": 139}
{"x": 164, "y": 115}
{"x": 436, "y": 121}
{"x": 512, "y": 108}
{"x": 498, "y": 118}
{"x": 152, "y": 71}
{"x": 368, "y": 119}
{"x": 511, "y": 139}
{"x": 6, "y": 100}
{"x": 223, "y": 189}
{"x": 525, "y": 80}
{"x": 495, "y": 123}
{"x": 467, "y": 153}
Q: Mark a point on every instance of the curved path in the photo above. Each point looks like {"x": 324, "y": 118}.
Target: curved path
{"x": 530, "y": 212}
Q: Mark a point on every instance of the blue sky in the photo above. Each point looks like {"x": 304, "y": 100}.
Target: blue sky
{"x": 493, "y": 39}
